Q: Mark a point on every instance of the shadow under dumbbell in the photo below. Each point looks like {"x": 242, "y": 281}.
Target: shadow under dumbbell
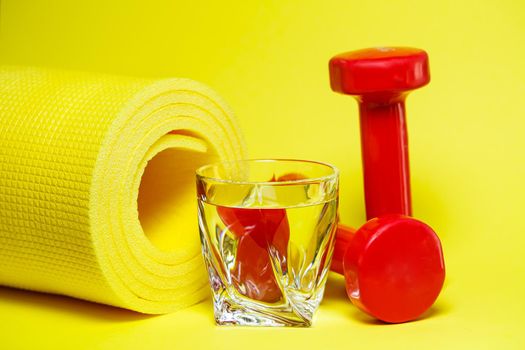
{"x": 335, "y": 293}
{"x": 335, "y": 289}
{"x": 437, "y": 310}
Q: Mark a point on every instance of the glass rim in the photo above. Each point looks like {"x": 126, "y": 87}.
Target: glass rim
{"x": 333, "y": 175}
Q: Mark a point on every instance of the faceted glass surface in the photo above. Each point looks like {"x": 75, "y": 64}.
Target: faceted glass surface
{"x": 267, "y": 230}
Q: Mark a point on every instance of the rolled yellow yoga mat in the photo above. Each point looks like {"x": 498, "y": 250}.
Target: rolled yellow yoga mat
{"x": 97, "y": 189}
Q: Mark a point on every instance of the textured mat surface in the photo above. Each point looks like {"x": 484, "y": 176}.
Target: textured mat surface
{"x": 97, "y": 185}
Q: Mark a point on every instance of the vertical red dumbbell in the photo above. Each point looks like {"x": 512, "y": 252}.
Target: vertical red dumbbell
{"x": 393, "y": 265}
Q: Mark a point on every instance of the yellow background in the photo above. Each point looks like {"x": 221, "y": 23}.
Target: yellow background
{"x": 268, "y": 59}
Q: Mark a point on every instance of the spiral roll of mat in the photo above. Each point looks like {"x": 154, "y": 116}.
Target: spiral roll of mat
{"x": 97, "y": 189}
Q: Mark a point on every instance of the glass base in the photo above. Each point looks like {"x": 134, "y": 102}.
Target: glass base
{"x": 229, "y": 311}
{"x": 234, "y": 309}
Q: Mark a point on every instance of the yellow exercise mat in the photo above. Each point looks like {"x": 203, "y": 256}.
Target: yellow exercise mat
{"x": 97, "y": 185}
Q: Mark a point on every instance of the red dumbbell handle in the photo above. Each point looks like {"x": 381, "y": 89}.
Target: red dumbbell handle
{"x": 384, "y": 149}
{"x": 343, "y": 236}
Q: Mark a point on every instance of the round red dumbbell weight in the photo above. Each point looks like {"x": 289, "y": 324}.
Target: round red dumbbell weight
{"x": 393, "y": 267}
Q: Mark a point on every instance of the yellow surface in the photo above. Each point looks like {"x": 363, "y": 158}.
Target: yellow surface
{"x": 268, "y": 59}
{"x": 82, "y": 155}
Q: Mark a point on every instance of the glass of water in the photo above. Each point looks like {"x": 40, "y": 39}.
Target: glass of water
{"x": 267, "y": 229}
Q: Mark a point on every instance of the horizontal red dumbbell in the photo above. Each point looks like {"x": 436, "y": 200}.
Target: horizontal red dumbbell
{"x": 256, "y": 230}
{"x": 393, "y": 267}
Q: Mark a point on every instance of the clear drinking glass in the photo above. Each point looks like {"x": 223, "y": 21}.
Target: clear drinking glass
{"x": 267, "y": 229}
